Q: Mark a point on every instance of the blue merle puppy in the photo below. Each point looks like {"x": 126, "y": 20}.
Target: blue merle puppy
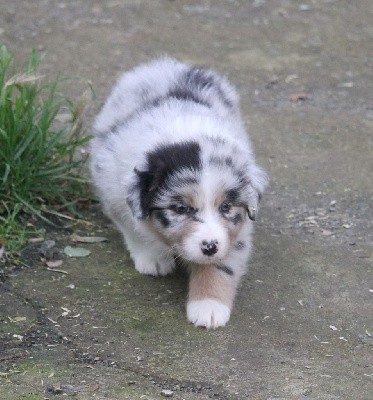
{"x": 174, "y": 169}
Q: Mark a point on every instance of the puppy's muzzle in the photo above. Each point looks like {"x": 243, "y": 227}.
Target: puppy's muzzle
{"x": 209, "y": 248}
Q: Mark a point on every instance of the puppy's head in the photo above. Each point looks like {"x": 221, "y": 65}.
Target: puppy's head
{"x": 196, "y": 198}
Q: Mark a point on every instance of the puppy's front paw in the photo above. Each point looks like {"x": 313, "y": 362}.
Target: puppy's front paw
{"x": 208, "y": 313}
{"x": 155, "y": 267}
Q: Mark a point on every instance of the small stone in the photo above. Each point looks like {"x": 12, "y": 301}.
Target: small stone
{"x": 346, "y": 85}
{"x": 167, "y": 393}
{"x": 304, "y": 7}
{"x": 76, "y": 251}
{"x": 333, "y": 328}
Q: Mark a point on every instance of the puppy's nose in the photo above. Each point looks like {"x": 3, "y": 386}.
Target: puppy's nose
{"x": 209, "y": 248}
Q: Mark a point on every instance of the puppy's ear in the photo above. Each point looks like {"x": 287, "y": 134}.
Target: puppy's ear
{"x": 142, "y": 191}
{"x": 134, "y": 198}
{"x": 252, "y": 204}
{"x": 137, "y": 193}
{"x": 258, "y": 181}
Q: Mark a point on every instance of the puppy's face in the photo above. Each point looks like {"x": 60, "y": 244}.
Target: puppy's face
{"x": 200, "y": 223}
{"x": 195, "y": 201}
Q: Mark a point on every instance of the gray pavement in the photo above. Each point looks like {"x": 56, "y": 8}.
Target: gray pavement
{"x": 302, "y": 326}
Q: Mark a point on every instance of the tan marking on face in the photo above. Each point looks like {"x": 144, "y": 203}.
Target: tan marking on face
{"x": 172, "y": 237}
{"x": 233, "y": 230}
{"x": 207, "y": 282}
{"x": 190, "y": 199}
{"x": 219, "y": 198}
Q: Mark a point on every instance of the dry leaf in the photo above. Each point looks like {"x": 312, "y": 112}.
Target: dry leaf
{"x": 54, "y": 264}
{"x": 295, "y": 97}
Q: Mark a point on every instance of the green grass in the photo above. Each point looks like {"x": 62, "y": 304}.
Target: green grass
{"x": 39, "y": 166}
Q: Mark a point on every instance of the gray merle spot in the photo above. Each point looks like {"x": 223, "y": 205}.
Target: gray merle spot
{"x": 236, "y": 219}
{"x": 239, "y": 245}
{"x": 160, "y": 215}
{"x": 225, "y": 269}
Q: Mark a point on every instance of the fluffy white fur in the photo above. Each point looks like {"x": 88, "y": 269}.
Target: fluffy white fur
{"x": 174, "y": 169}
{"x": 208, "y": 313}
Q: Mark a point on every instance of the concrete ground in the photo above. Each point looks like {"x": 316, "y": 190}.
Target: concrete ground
{"x": 302, "y": 327}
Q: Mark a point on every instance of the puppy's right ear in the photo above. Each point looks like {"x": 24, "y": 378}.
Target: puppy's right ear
{"x": 133, "y": 200}
{"x": 140, "y": 192}
{"x": 134, "y": 195}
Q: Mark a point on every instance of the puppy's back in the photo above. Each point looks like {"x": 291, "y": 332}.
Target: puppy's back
{"x": 166, "y": 80}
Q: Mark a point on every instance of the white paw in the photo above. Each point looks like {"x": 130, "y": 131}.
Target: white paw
{"x": 208, "y": 313}
{"x": 152, "y": 266}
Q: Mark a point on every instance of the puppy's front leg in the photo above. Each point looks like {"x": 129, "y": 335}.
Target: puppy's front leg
{"x": 211, "y": 296}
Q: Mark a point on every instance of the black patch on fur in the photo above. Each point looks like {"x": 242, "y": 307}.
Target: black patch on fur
{"x": 225, "y": 269}
{"x": 163, "y": 163}
{"x": 221, "y": 162}
{"x": 186, "y": 181}
{"x": 199, "y": 78}
{"x": 161, "y": 216}
{"x": 233, "y": 195}
{"x": 239, "y": 245}
{"x": 187, "y": 94}
{"x": 190, "y": 86}
{"x": 202, "y": 79}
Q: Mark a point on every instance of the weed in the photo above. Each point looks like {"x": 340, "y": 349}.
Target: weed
{"x": 39, "y": 167}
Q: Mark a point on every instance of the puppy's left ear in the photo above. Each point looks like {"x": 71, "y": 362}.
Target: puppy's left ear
{"x": 252, "y": 206}
{"x": 258, "y": 182}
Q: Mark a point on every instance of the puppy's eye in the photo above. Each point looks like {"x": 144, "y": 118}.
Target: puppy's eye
{"x": 183, "y": 209}
{"x": 225, "y": 207}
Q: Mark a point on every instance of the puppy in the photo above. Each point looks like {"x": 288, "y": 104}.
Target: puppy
{"x": 174, "y": 169}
